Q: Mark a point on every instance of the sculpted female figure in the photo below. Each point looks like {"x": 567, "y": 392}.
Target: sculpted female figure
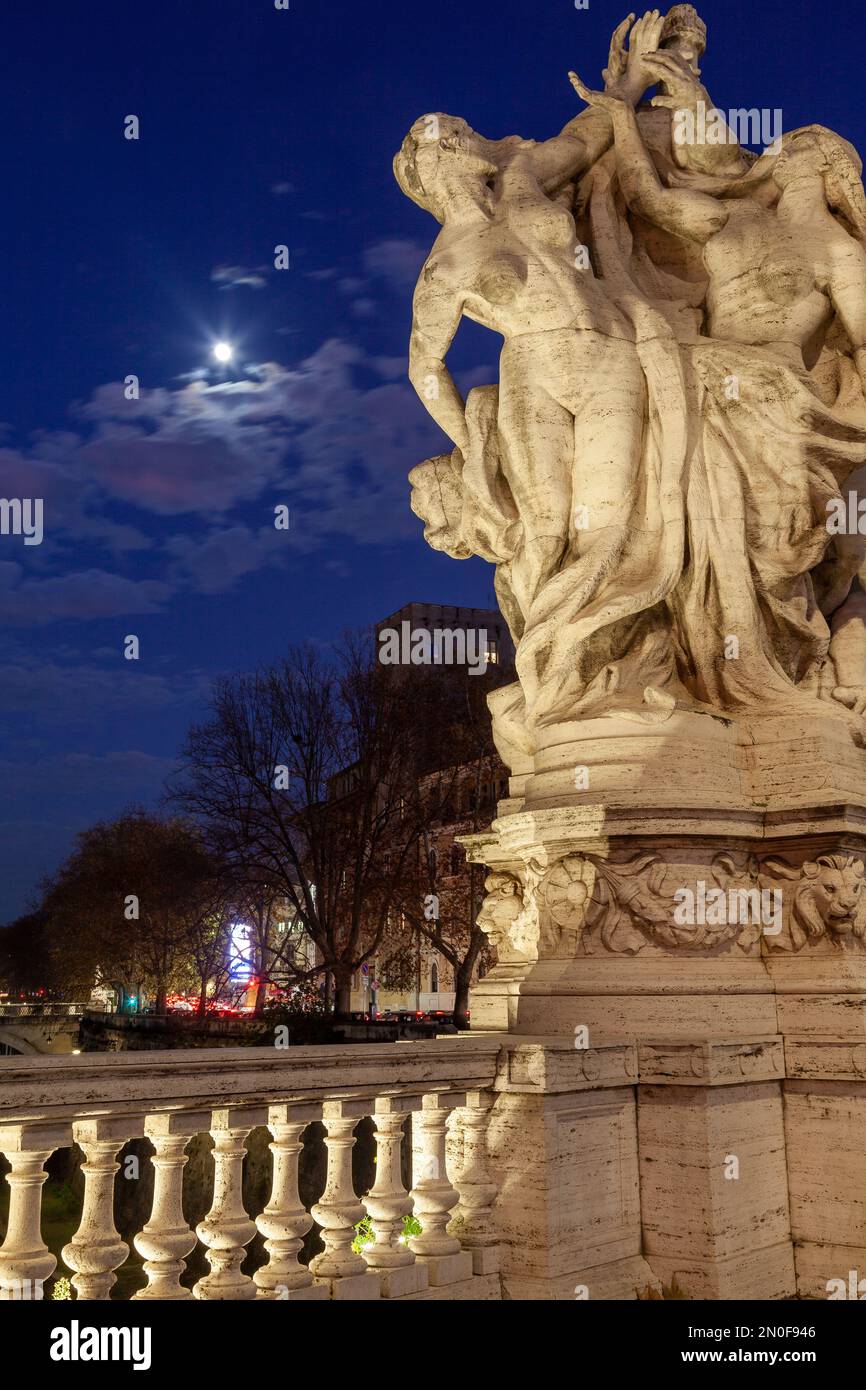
{"x": 781, "y": 411}
{"x": 507, "y": 258}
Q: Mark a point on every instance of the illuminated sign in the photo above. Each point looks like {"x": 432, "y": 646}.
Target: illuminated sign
{"x": 241, "y": 965}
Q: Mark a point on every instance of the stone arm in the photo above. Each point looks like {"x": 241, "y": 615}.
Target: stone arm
{"x": 846, "y": 286}
{"x": 587, "y": 136}
{"x": 559, "y": 160}
{"x": 435, "y": 321}
{"x": 681, "y": 211}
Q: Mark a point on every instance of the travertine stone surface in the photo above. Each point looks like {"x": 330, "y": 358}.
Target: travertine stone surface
{"x": 825, "y": 1123}
{"x": 713, "y": 1188}
{"x": 662, "y": 922}
{"x": 25, "y": 1260}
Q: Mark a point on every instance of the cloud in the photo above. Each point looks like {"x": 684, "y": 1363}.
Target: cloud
{"x": 84, "y": 596}
{"x": 232, "y": 277}
{"x": 213, "y": 564}
{"x": 70, "y": 691}
{"x": 281, "y": 189}
{"x": 391, "y": 368}
{"x": 70, "y": 506}
{"x": 397, "y": 260}
{"x": 203, "y": 465}
{"x": 199, "y": 449}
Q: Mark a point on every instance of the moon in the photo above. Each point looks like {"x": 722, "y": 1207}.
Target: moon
{"x": 223, "y": 352}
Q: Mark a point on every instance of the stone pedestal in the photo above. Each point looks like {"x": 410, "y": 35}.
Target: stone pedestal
{"x": 563, "y": 1146}
{"x": 714, "y": 1191}
{"x": 825, "y": 1128}
{"x": 693, "y": 891}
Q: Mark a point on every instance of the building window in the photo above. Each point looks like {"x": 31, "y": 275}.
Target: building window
{"x": 456, "y": 860}
{"x": 434, "y": 978}
{"x": 491, "y": 652}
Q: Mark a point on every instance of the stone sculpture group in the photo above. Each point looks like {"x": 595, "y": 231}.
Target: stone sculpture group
{"x": 680, "y": 398}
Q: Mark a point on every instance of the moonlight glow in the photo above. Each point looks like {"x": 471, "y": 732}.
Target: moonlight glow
{"x": 223, "y": 352}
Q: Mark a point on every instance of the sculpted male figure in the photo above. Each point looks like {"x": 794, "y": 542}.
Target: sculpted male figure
{"x": 782, "y": 248}
{"x": 507, "y": 258}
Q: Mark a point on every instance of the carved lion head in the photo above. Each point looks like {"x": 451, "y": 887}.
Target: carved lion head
{"x": 830, "y": 898}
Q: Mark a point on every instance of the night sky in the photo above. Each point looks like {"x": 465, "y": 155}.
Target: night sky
{"x": 258, "y": 127}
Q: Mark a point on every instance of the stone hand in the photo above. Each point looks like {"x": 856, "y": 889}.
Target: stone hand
{"x": 618, "y": 56}
{"x": 682, "y": 88}
{"x": 605, "y": 101}
{"x": 626, "y": 72}
{"x": 854, "y": 697}
{"x": 644, "y": 37}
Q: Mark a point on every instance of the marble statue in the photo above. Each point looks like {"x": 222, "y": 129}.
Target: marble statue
{"x": 680, "y": 400}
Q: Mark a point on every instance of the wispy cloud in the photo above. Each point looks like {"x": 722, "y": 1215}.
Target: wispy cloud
{"x": 397, "y": 260}
{"x": 233, "y": 277}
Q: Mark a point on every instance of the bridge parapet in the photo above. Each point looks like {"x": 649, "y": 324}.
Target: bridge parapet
{"x": 101, "y": 1101}
{"x": 50, "y": 1009}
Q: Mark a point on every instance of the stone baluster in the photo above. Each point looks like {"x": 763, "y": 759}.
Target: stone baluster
{"x": 166, "y": 1240}
{"x": 96, "y": 1250}
{"x": 432, "y": 1194}
{"x": 473, "y": 1219}
{"x": 227, "y": 1229}
{"x": 388, "y": 1204}
{"x": 25, "y": 1260}
{"x": 284, "y": 1221}
{"x": 338, "y": 1209}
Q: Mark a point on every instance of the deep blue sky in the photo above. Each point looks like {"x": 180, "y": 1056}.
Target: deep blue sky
{"x": 258, "y": 127}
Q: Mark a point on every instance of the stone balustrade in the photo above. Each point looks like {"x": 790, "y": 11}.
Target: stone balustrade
{"x": 103, "y": 1101}
{"x": 51, "y": 1009}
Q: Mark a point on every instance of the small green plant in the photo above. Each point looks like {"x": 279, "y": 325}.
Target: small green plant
{"x": 62, "y": 1288}
{"x": 668, "y": 1291}
{"x": 365, "y": 1236}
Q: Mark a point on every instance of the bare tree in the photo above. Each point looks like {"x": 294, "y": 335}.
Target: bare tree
{"x": 305, "y": 780}
{"x": 440, "y": 903}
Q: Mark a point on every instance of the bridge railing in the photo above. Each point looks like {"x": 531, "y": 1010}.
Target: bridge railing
{"x": 47, "y": 1010}
{"x": 101, "y": 1101}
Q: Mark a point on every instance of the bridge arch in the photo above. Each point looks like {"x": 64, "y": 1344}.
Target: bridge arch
{"x": 12, "y": 1045}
